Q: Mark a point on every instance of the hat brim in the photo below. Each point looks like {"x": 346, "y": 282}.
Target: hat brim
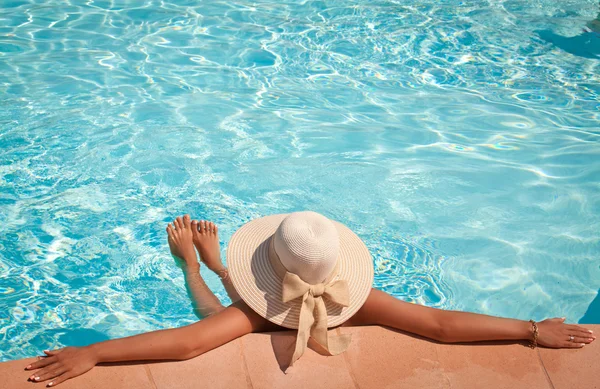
{"x": 259, "y": 286}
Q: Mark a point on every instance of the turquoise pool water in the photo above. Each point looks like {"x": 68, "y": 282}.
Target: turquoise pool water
{"x": 460, "y": 140}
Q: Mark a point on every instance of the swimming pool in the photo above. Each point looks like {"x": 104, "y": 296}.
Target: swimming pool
{"x": 454, "y": 138}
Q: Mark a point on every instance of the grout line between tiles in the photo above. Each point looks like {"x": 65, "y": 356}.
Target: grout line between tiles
{"x": 348, "y": 365}
{"x": 541, "y": 360}
{"x": 440, "y": 368}
{"x": 246, "y": 371}
{"x": 149, "y": 375}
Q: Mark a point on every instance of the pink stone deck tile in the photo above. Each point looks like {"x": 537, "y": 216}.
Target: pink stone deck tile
{"x": 499, "y": 366}
{"x": 574, "y": 369}
{"x": 106, "y": 377}
{"x": 267, "y": 354}
{"x": 222, "y": 367}
{"x": 380, "y": 358}
{"x": 377, "y": 358}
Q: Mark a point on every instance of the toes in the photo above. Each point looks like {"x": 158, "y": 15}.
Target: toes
{"x": 194, "y": 227}
{"x": 211, "y": 228}
{"x": 202, "y": 227}
{"x": 179, "y": 222}
{"x": 169, "y": 229}
{"x": 186, "y": 221}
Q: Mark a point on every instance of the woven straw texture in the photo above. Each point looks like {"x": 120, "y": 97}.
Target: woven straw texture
{"x": 260, "y": 287}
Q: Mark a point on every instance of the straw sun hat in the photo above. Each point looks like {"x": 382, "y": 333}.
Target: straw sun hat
{"x": 301, "y": 271}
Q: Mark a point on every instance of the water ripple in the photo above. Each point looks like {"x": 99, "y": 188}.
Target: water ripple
{"x": 456, "y": 138}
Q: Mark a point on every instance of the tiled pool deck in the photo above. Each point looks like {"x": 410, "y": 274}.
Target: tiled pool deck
{"x": 378, "y": 358}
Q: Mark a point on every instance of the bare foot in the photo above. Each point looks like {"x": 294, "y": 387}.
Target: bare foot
{"x": 206, "y": 240}
{"x": 181, "y": 239}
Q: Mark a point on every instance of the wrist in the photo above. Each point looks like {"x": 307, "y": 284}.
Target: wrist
{"x": 533, "y": 333}
{"x": 94, "y": 351}
{"x": 526, "y": 331}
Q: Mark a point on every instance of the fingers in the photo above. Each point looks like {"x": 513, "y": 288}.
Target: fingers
{"x": 61, "y": 378}
{"x": 37, "y": 376}
{"x": 569, "y": 344}
{"x": 578, "y": 329}
{"x": 576, "y": 339}
{"x": 52, "y": 352}
{"x": 48, "y": 373}
{"x": 581, "y": 339}
{"x": 580, "y": 336}
{"x": 41, "y": 363}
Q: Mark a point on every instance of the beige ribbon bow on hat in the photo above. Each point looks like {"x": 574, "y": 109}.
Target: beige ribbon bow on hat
{"x": 313, "y": 313}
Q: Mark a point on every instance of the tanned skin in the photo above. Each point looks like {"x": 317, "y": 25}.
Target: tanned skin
{"x": 222, "y": 325}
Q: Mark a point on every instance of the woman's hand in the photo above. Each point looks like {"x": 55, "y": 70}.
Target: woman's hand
{"x": 63, "y": 364}
{"x": 556, "y": 334}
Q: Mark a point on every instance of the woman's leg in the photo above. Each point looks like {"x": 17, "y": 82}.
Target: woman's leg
{"x": 180, "y": 238}
{"x": 206, "y": 240}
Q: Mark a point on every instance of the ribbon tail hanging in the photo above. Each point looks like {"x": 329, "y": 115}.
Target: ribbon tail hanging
{"x": 306, "y": 322}
{"x": 333, "y": 344}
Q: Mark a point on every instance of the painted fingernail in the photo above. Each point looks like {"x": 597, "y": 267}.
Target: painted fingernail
{"x": 590, "y": 331}
{"x": 582, "y": 344}
{"x": 28, "y": 367}
{"x": 51, "y": 383}
{"x": 37, "y": 378}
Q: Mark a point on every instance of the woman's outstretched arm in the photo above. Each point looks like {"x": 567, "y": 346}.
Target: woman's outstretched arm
{"x": 172, "y": 344}
{"x": 453, "y": 326}
{"x": 180, "y": 343}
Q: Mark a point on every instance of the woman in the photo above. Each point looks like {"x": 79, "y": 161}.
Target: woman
{"x": 299, "y": 271}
